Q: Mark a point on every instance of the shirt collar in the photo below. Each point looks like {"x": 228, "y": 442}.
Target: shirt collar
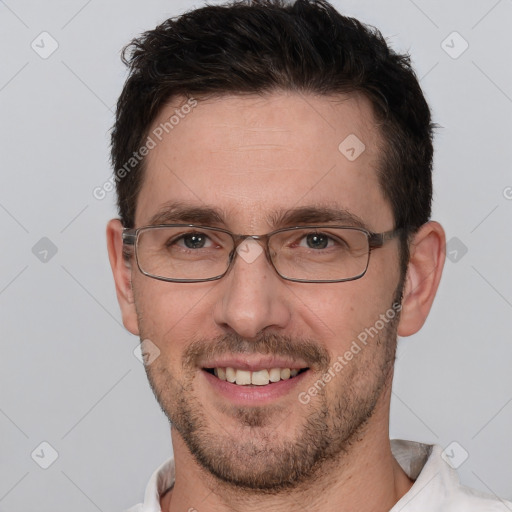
{"x": 161, "y": 480}
{"x": 433, "y": 478}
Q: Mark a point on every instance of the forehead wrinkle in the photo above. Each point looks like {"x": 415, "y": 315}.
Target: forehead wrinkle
{"x": 260, "y": 146}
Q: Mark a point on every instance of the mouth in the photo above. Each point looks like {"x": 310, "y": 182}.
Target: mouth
{"x": 249, "y": 380}
{"x": 257, "y": 378}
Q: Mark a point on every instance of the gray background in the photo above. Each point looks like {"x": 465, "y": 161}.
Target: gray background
{"x": 68, "y": 374}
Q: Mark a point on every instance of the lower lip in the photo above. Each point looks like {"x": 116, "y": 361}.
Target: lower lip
{"x": 254, "y": 395}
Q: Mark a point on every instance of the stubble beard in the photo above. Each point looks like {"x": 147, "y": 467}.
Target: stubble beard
{"x": 258, "y": 458}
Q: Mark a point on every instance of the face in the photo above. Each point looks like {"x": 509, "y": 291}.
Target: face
{"x": 259, "y": 164}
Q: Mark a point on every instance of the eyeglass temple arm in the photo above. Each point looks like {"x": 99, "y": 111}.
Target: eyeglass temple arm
{"x": 378, "y": 239}
{"x": 129, "y": 236}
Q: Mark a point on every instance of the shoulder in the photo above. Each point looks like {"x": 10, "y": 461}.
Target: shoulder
{"x": 464, "y": 498}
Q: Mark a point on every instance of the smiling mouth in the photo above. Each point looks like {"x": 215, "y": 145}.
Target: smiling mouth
{"x": 262, "y": 377}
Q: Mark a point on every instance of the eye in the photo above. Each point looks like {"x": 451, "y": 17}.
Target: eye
{"x": 194, "y": 240}
{"x": 316, "y": 241}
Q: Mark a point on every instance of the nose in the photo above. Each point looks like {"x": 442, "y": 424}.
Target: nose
{"x": 252, "y": 297}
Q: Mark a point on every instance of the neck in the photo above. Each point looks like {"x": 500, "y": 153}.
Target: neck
{"x": 365, "y": 477}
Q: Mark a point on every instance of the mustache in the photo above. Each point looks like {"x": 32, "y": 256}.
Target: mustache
{"x": 266, "y": 344}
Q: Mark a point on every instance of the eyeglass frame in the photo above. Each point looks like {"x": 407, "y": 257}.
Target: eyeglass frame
{"x": 375, "y": 241}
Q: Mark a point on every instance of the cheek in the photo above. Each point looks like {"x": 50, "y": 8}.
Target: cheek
{"x": 337, "y": 314}
{"x": 329, "y": 312}
{"x": 170, "y": 314}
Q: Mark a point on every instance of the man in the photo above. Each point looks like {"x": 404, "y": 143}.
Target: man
{"x": 273, "y": 167}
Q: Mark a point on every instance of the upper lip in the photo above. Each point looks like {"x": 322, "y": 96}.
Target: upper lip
{"x": 253, "y": 363}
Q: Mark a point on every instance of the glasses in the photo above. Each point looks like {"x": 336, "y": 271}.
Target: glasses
{"x": 186, "y": 253}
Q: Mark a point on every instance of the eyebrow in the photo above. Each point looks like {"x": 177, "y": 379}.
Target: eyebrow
{"x": 178, "y": 213}
{"x": 315, "y": 215}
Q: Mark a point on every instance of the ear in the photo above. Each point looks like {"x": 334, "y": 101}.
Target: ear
{"x": 427, "y": 256}
{"x": 122, "y": 270}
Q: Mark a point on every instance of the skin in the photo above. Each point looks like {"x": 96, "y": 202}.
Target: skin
{"x": 248, "y": 157}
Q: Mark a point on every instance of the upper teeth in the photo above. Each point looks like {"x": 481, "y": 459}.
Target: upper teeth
{"x": 258, "y": 378}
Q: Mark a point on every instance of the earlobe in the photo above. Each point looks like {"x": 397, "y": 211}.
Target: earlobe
{"x": 121, "y": 270}
{"x": 427, "y": 255}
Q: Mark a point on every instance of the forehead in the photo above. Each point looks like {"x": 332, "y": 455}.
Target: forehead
{"x": 252, "y": 157}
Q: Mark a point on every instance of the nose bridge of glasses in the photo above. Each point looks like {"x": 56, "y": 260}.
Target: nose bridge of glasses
{"x": 250, "y": 247}
{"x": 239, "y": 239}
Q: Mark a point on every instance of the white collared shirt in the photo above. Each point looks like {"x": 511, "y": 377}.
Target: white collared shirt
{"x": 436, "y": 487}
